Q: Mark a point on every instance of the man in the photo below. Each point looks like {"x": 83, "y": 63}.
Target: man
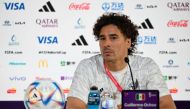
{"x": 117, "y": 37}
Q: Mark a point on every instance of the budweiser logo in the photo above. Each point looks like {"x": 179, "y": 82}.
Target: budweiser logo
{"x": 181, "y": 23}
{"x": 82, "y": 6}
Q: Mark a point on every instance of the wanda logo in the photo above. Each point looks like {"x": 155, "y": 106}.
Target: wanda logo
{"x": 181, "y": 23}
{"x": 82, "y": 6}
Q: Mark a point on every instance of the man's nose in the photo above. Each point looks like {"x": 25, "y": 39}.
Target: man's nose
{"x": 107, "y": 42}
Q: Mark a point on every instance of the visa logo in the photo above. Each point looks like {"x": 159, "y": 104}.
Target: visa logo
{"x": 14, "y": 6}
{"x": 47, "y": 40}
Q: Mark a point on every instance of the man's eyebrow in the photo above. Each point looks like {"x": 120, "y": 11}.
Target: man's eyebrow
{"x": 113, "y": 34}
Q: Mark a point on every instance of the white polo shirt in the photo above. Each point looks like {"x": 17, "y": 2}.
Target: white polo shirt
{"x": 91, "y": 72}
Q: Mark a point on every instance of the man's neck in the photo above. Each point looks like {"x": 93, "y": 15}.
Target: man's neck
{"x": 115, "y": 66}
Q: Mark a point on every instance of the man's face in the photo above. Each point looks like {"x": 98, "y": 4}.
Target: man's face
{"x": 113, "y": 44}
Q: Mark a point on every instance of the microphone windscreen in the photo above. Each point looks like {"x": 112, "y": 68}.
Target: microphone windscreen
{"x": 126, "y": 59}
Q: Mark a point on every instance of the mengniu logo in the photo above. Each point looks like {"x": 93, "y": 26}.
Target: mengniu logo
{"x": 47, "y": 39}
{"x": 81, "y": 41}
{"x": 14, "y": 6}
{"x": 146, "y": 25}
{"x": 47, "y": 8}
{"x": 146, "y": 40}
{"x": 113, "y": 6}
{"x": 11, "y": 91}
{"x": 43, "y": 63}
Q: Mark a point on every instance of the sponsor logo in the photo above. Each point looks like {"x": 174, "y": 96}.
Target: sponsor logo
{"x": 82, "y": 6}
{"x": 90, "y": 52}
{"x": 14, "y": 6}
{"x": 179, "y": 6}
{"x": 187, "y": 90}
{"x": 66, "y": 77}
{"x": 47, "y": 22}
{"x": 81, "y": 41}
{"x": 167, "y": 52}
{"x": 170, "y": 64}
{"x": 170, "y": 78}
{"x": 184, "y": 40}
{"x": 146, "y": 40}
{"x": 66, "y": 63}
{"x": 66, "y": 90}
{"x": 173, "y": 90}
{"x": 141, "y": 6}
{"x": 146, "y": 25}
{"x": 11, "y": 91}
{"x": 47, "y": 39}
{"x": 13, "y": 52}
{"x": 17, "y": 63}
{"x": 171, "y": 40}
{"x": 139, "y": 52}
{"x": 43, "y": 64}
{"x": 181, "y": 23}
{"x": 79, "y": 24}
{"x": 13, "y": 41}
{"x": 47, "y": 8}
{"x": 113, "y": 6}
{"x": 52, "y": 52}
{"x": 42, "y": 78}
{"x": 7, "y": 23}
{"x": 17, "y": 78}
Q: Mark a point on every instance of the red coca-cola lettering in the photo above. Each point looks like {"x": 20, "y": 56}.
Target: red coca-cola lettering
{"x": 181, "y": 23}
{"x": 82, "y": 6}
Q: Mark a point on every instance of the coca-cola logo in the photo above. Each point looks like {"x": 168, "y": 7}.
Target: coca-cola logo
{"x": 179, "y": 6}
{"x": 181, "y": 23}
{"x": 82, "y": 6}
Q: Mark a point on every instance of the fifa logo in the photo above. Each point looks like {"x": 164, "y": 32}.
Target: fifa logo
{"x": 43, "y": 64}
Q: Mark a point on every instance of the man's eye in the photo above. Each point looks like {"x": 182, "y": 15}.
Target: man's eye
{"x": 101, "y": 38}
{"x": 113, "y": 38}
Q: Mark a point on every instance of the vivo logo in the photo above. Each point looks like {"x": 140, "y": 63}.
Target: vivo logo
{"x": 18, "y": 78}
{"x": 48, "y": 40}
{"x": 14, "y": 6}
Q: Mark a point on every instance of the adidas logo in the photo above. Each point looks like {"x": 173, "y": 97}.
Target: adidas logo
{"x": 81, "y": 41}
{"x": 146, "y": 25}
{"x": 47, "y": 8}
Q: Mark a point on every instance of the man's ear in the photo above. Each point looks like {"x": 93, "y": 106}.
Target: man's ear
{"x": 128, "y": 42}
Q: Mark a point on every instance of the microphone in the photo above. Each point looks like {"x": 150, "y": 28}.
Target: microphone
{"x": 94, "y": 98}
{"x": 127, "y": 61}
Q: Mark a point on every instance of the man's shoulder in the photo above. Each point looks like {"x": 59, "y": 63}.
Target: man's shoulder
{"x": 93, "y": 59}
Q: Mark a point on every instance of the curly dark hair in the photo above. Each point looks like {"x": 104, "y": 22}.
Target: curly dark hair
{"x": 126, "y": 26}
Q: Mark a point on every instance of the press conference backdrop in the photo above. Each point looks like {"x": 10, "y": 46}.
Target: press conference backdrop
{"x": 47, "y": 39}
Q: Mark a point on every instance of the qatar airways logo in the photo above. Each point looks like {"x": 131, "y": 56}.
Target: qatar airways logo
{"x": 47, "y": 22}
{"x": 179, "y": 6}
{"x": 82, "y": 6}
{"x": 181, "y": 23}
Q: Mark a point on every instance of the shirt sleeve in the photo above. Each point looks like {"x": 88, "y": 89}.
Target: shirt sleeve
{"x": 80, "y": 84}
{"x": 155, "y": 78}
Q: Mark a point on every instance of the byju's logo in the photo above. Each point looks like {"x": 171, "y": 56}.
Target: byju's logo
{"x": 47, "y": 39}
{"x": 146, "y": 40}
{"x": 47, "y": 8}
{"x": 113, "y": 6}
{"x": 81, "y": 41}
{"x": 14, "y": 6}
{"x": 146, "y": 25}
{"x": 17, "y": 78}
